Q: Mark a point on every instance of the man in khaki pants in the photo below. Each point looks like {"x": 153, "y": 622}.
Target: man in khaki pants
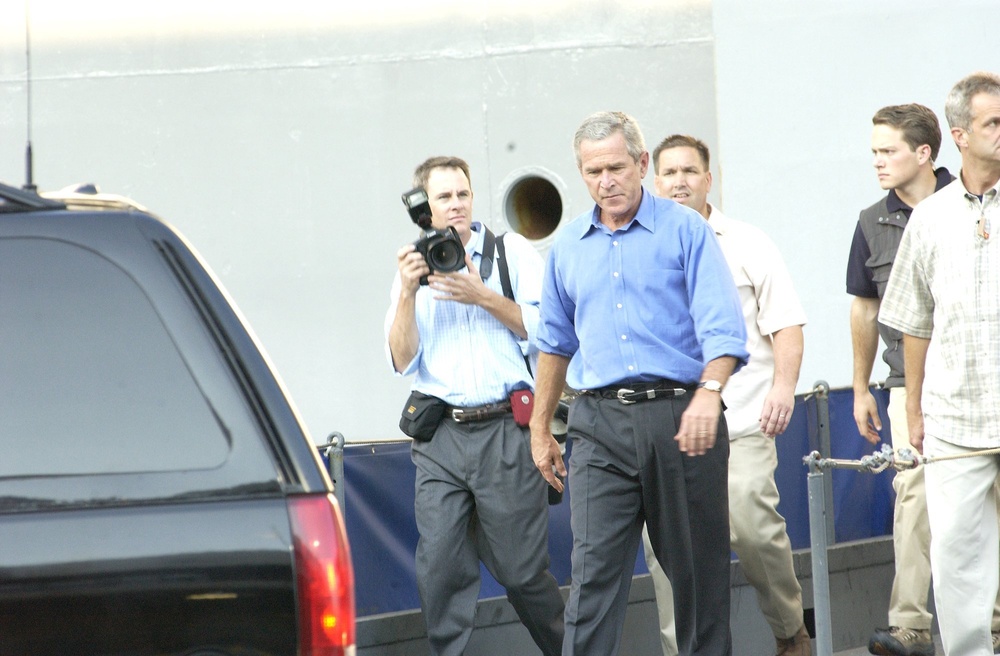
{"x": 759, "y": 399}
{"x": 905, "y": 143}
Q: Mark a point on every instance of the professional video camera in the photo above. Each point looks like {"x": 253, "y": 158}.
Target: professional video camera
{"x": 442, "y": 249}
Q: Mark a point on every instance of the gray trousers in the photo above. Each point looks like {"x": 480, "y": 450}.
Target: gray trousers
{"x": 626, "y": 469}
{"x": 759, "y": 538}
{"x": 479, "y": 497}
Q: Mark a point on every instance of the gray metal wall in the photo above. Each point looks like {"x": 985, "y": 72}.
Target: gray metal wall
{"x": 278, "y": 138}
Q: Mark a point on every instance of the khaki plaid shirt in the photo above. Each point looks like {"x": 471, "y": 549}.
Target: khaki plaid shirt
{"x": 945, "y": 286}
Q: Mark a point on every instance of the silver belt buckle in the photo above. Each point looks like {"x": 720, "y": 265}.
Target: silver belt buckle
{"x": 622, "y": 393}
{"x": 457, "y": 415}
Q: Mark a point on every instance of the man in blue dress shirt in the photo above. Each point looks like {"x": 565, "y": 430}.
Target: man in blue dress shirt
{"x": 640, "y": 312}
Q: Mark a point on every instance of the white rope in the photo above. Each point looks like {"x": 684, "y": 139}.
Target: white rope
{"x": 956, "y": 456}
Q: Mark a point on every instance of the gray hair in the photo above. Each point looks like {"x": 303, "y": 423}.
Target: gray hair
{"x": 601, "y": 125}
{"x": 956, "y": 107}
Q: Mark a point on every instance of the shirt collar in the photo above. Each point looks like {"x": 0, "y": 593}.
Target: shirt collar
{"x": 645, "y": 217}
{"x": 475, "y": 244}
{"x": 944, "y": 178}
{"x": 894, "y": 204}
{"x": 717, "y": 220}
{"x": 990, "y": 194}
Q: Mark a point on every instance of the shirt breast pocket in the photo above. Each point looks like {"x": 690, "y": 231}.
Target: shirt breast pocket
{"x": 883, "y": 248}
{"x": 662, "y": 297}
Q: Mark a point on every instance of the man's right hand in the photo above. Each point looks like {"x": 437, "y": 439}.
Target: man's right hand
{"x": 548, "y": 459}
{"x": 412, "y": 267}
{"x": 866, "y": 416}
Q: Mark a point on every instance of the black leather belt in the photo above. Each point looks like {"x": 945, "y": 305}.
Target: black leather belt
{"x": 479, "y": 412}
{"x": 629, "y": 393}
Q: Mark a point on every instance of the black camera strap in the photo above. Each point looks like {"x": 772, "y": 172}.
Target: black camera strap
{"x": 508, "y": 291}
{"x": 486, "y": 263}
{"x": 491, "y": 243}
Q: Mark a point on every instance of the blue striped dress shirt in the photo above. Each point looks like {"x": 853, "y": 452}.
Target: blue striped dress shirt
{"x": 467, "y": 357}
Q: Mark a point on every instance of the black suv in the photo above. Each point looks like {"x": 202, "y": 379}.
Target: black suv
{"x": 158, "y": 492}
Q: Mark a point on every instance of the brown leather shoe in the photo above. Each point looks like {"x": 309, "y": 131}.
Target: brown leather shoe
{"x": 798, "y": 645}
{"x": 900, "y": 641}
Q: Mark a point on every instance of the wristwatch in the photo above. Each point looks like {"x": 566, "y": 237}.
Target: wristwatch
{"x": 711, "y": 385}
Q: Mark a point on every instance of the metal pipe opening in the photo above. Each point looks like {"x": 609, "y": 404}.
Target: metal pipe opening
{"x": 533, "y": 207}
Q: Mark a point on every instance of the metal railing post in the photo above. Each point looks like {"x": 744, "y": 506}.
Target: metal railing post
{"x": 335, "y": 456}
{"x": 818, "y": 549}
{"x": 822, "y": 392}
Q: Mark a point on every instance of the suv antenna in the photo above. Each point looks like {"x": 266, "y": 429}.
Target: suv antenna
{"x": 29, "y": 184}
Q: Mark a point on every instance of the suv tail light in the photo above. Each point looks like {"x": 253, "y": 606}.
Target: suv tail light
{"x": 325, "y": 578}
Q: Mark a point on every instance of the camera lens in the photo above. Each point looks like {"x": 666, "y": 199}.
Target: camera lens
{"x": 446, "y": 255}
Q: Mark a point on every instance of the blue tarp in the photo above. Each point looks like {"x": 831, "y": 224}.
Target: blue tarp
{"x": 381, "y": 528}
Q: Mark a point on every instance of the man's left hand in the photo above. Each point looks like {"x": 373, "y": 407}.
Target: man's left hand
{"x": 699, "y": 423}
{"x": 466, "y": 288}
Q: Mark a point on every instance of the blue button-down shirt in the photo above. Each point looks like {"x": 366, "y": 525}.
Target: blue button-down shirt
{"x": 466, "y": 355}
{"x": 654, "y": 299}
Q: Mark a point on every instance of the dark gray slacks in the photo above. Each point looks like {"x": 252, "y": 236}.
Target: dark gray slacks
{"x": 626, "y": 469}
{"x": 480, "y": 497}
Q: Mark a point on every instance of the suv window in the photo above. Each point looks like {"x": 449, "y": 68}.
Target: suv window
{"x": 96, "y": 354}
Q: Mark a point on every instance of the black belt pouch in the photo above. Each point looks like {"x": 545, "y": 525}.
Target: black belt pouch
{"x": 421, "y": 416}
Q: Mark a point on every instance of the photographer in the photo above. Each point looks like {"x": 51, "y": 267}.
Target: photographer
{"x": 478, "y": 494}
